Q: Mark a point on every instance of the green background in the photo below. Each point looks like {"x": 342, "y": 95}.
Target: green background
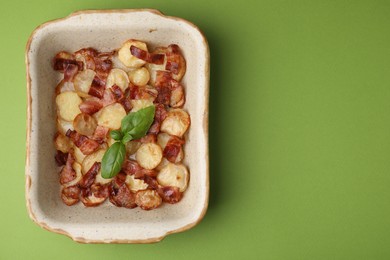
{"x": 299, "y": 132}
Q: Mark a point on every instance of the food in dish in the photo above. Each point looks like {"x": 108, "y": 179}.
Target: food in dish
{"x": 121, "y": 126}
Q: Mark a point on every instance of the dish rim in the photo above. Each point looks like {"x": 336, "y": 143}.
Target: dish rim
{"x": 29, "y": 127}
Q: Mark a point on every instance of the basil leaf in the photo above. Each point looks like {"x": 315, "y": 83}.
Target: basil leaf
{"x": 138, "y": 123}
{"x": 116, "y": 135}
{"x": 127, "y": 138}
{"x": 113, "y": 159}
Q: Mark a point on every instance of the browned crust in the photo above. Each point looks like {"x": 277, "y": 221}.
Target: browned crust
{"x": 28, "y": 133}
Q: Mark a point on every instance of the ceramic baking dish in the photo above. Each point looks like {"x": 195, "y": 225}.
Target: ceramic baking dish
{"x": 106, "y": 30}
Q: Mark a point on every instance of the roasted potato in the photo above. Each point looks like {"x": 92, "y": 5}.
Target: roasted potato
{"x": 176, "y": 123}
{"x": 174, "y": 175}
{"x": 127, "y": 58}
{"x": 68, "y": 105}
{"x": 111, "y": 116}
{"x": 149, "y": 155}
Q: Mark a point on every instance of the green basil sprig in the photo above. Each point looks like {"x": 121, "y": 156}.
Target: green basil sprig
{"x": 134, "y": 126}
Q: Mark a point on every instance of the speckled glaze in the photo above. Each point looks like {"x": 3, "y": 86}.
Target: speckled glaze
{"x": 106, "y": 30}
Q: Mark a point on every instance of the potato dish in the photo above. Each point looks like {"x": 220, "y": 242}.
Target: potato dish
{"x": 97, "y": 92}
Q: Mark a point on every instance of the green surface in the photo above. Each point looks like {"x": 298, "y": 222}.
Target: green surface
{"x": 299, "y": 132}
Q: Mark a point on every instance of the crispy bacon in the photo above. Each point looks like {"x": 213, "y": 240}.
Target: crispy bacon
{"x": 161, "y": 113}
{"x": 154, "y": 128}
{"x": 155, "y": 58}
{"x": 63, "y": 59}
{"x": 139, "y": 53}
{"x": 126, "y": 105}
{"x": 131, "y": 167}
{"x": 86, "y": 145}
{"x": 170, "y": 194}
{"x": 61, "y": 64}
{"x": 91, "y": 105}
{"x": 126, "y": 100}
{"x": 108, "y": 98}
{"x": 163, "y": 86}
{"x": 70, "y": 195}
{"x": 89, "y": 146}
{"x": 174, "y": 58}
{"x": 94, "y": 195}
{"x": 99, "y": 62}
{"x": 159, "y": 116}
{"x": 61, "y": 158}
{"x": 151, "y": 181}
{"x": 103, "y": 67}
{"x": 97, "y": 87}
{"x": 100, "y": 134}
{"x": 118, "y": 93}
{"x": 163, "y": 78}
{"x": 70, "y": 71}
{"x": 67, "y": 173}
{"x": 134, "y": 90}
{"x": 120, "y": 194}
{"x": 89, "y": 177}
{"x": 173, "y": 148}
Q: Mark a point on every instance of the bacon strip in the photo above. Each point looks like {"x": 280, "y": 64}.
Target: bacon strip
{"x": 86, "y": 145}
{"x": 94, "y": 195}
{"x": 163, "y": 86}
{"x": 172, "y": 149}
{"x": 170, "y": 194}
{"x": 97, "y": 87}
{"x": 91, "y": 105}
{"x": 70, "y": 71}
{"x": 173, "y": 58}
{"x": 100, "y": 134}
{"x": 120, "y": 194}
{"x": 134, "y": 90}
{"x": 60, "y": 64}
{"x": 70, "y": 195}
{"x": 61, "y": 158}
{"x": 118, "y": 93}
{"x": 108, "y": 98}
{"x": 89, "y": 177}
{"x": 131, "y": 167}
{"x": 155, "y": 58}
{"x": 67, "y": 173}
{"x": 99, "y": 62}
{"x": 159, "y": 116}
{"x": 151, "y": 181}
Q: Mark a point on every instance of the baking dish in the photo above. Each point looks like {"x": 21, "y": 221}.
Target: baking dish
{"x": 105, "y": 30}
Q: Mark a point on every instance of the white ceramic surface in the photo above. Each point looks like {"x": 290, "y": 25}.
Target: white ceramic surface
{"x": 105, "y": 30}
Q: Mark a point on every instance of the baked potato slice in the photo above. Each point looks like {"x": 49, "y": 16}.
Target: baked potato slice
{"x": 82, "y": 82}
{"x": 175, "y": 175}
{"x": 111, "y": 116}
{"x": 176, "y": 123}
{"x": 68, "y": 105}
{"x": 84, "y": 124}
{"x": 135, "y": 184}
{"x": 148, "y": 199}
{"x": 125, "y": 56}
{"x": 118, "y": 77}
{"x": 149, "y": 155}
{"x": 139, "y": 77}
{"x": 62, "y": 143}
